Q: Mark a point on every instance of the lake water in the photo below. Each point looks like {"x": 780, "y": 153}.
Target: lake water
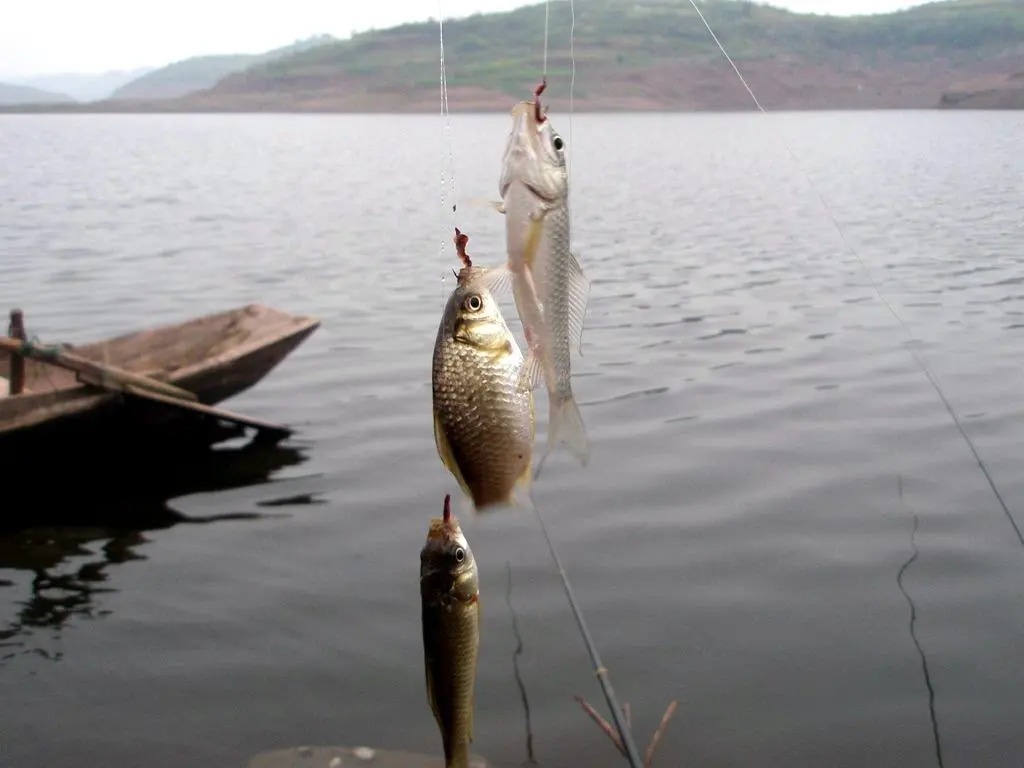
{"x": 737, "y": 540}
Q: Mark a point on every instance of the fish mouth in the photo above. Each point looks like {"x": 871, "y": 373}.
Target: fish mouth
{"x": 483, "y": 334}
{"x": 464, "y": 330}
{"x": 523, "y": 152}
{"x": 527, "y": 160}
{"x": 442, "y": 530}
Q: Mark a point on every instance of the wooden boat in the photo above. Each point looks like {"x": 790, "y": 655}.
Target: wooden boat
{"x": 212, "y": 357}
{"x": 307, "y": 757}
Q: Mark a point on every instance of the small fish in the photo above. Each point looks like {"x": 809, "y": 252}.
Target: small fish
{"x": 483, "y": 411}
{"x": 450, "y": 597}
{"x": 550, "y": 289}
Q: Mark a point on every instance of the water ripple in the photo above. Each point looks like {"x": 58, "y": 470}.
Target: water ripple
{"x": 751, "y": 463}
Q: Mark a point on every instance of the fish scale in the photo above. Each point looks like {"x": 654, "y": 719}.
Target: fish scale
{"x": 556, "y": 276}
{"x": 551, "y": 292}
{"x": 483, "y": 416}
{"x": 449, "y": 593}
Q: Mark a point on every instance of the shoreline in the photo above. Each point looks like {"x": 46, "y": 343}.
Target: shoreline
{"x": 961, "y": 105}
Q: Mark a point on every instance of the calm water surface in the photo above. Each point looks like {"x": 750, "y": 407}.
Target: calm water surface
{"x": 736, "y": 540}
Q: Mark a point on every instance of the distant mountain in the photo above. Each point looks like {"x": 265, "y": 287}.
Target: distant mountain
{"x": 23, "y": 95}
{"x": 647, "y": 54}
{"x": 84, "y": 87}
{"x": 201, "y": 72}
{"x": 182, "y": 77}
{"x": 640, "y": 55}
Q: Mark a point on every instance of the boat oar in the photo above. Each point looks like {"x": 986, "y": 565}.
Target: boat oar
{"x": 143, "y": 387}
{"x": 99, "y": 374}
{"x": 275, "y": 432}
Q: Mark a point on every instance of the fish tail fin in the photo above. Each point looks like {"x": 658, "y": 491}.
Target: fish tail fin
{"x": 565, "y": 425}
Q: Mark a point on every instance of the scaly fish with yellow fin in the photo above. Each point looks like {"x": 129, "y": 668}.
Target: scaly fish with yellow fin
{"x": 450, "y": 598}
{"x": 483, "y": 408}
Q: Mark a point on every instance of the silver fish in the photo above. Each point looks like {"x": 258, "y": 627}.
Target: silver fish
{"x": 483, "y": 412}
{"x": 550, "y": 289}
{"x": 450, "y": 599}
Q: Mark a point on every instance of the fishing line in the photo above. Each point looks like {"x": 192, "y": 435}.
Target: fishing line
{"x": 447, "y": 134}
{"x": 547, "y": 16}
{"x": 619, "y": 719}
{"x": 932, "y": 378}
{"x": 572, "y": 82}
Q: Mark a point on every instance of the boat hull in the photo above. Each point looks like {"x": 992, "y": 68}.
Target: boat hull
{"x": 67, "y": 418}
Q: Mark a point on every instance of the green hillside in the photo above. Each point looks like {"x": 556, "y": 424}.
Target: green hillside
{"x": 629, "y": 55}
{"x": 631, "y": 49}
{"x": 183, "y": 77}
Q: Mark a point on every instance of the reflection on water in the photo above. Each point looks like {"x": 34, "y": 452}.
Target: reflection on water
{"x": 929, "y": 684}
{"x": 69, "y": 572}
{"x": 69, "y": 542}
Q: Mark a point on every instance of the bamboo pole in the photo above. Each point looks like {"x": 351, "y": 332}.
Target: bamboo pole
{"x": 89, "y": 371}
{"x": 275, "y": 431}
{"x": 17, "y": 331}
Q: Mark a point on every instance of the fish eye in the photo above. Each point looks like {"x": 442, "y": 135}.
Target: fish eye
{"x": 473, "y": 302}
{"x": 557, "y": 141}
{"x": 460, "y": 554}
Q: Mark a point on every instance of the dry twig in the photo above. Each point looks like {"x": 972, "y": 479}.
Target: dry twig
{"x": 610, "y": 732}
{"x": 656, "y": 738}
{"x": 602, "y": 724}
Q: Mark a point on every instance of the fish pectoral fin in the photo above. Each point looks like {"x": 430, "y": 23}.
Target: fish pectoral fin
{"x": 529, "y": 374}
{"x": 534, "y": 230}
{"x": 579, "y": 297}
{"x": 430, "y": 692}
{"x": 480, "y": 202}
{"x": 497, "y": 280}
{"x": 522, "y": 494}
{"x": 521, "y": 498}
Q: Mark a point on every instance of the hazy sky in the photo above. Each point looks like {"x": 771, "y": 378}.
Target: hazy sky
{"x": 47, "y": 36}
